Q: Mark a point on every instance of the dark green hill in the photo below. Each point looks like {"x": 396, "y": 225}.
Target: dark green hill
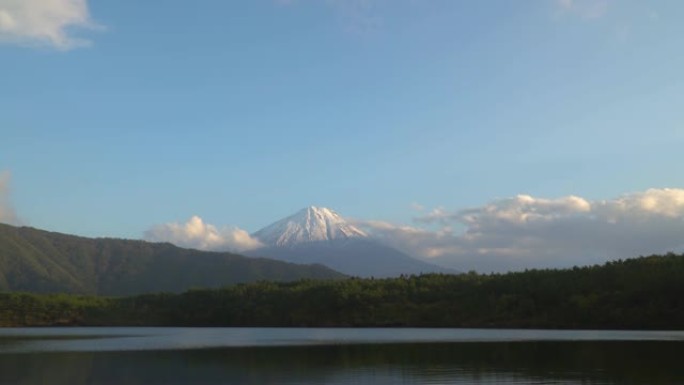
{"x": 641, "y": 293}
{"x": 40, "y": 261}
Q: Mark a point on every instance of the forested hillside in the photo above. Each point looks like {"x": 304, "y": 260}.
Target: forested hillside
{"x": 642, "y": 293}
{"x": 38, "y": 261}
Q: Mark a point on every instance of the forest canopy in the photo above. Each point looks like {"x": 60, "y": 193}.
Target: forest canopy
{"x": 641, "y": 293}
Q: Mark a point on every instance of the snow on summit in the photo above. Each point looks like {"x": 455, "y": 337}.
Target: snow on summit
{"x": 312, "y": 224}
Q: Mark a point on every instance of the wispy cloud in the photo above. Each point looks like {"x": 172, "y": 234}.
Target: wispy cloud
{"x": 44, "y": 22}
{"x": 417, "y": 207}
{"x": 358, "y": 16}
{"x": 7, "y": 213}
{"x": 197, "y": 234}
{"x": 585, "y": 9}
{"x": 529, "y": 232}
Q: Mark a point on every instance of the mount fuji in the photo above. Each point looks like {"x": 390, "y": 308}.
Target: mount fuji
{"x": 320, "y": 235}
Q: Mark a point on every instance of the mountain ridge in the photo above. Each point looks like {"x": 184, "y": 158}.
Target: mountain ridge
{"x": 40, "y": 261}
{"x": 322, "y": 236}
{"x": 310, "y": 224}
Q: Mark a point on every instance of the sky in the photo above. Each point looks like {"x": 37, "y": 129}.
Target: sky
{"x": 490, "y": 135}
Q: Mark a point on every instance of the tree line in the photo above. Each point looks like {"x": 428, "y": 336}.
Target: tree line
{"x": 640, "y": 293}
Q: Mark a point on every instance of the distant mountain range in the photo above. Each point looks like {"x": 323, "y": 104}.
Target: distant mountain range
{"x": 320, "y": 235}
{"x": 314, "y": 243}
{"x": 40, "y": 261}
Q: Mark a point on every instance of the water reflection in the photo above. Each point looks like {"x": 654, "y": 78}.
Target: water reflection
{"x": 625, "y": 362}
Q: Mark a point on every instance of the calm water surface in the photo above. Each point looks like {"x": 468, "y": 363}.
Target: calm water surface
{"x": 337, "y": 356}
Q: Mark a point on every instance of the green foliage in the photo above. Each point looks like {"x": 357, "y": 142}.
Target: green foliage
{"x": 51, "y": 309}
{"x": 642, "y": 293}
{"x": 43, "y": 262}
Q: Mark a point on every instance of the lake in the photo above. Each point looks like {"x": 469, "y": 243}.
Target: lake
{"x": 215, "y": 356}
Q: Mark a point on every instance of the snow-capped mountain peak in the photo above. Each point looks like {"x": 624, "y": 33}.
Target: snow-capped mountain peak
{"x": 312, "y": 224}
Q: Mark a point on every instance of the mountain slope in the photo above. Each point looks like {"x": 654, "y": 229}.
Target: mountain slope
{"x": 40, "y": 261}
{"x": 320, "y": 235}
{"x": 312, "y": 224}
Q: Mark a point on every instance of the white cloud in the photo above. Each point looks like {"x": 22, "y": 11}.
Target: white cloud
{"x": 506, "y": 234}
{"x": 44, "y": 22}
{"x": 414, "y": 241}
{"x": 528, "y": 232}
{"x": 196, "y": 234}
{"x": 417, "y": 206}
{"x": 586, "y": 9}
{"x": 7, "y": 214}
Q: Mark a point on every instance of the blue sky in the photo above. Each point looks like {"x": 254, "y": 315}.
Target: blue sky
{"x": 118, "y": 115}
